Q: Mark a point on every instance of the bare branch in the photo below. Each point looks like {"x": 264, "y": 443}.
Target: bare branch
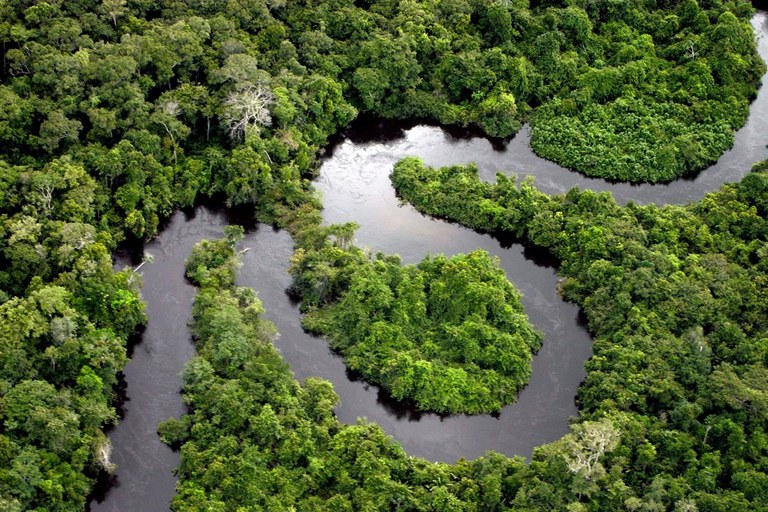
{"x": 590, "y": 441}
{"x": 247, "y": 107}
{"x": 103, "y": 454}
{"x": 172, "y": 108}
{"x": 692, "y": 53}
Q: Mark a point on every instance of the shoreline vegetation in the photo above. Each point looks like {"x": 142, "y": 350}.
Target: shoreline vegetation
{"x": 676, "y": 390}
{"x": 675, "y": 298}
{"x": 257, "y": 438}
{"x": 113, "y": 114}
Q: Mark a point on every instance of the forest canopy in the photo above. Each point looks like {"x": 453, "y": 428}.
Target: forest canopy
{"x": 672, "y": 411}
{"x": 257, "y": 438}
{"x": 114, "y": 113}
{"x": 448, "y": 334}
{"x": 189, "y": 98}
{"x": 676, "y": 298}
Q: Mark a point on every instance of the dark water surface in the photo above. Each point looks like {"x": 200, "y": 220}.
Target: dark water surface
{"x": 370, "y": 157}
{"x": 144, "y": 480}
{"x": 355, "y": 187}
{"x": 544, "y": 406}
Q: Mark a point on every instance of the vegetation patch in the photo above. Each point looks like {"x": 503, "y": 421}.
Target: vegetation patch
{"x": 673, "y": 410}
{"x": 676, "y": 298}
{"x": 449, "y": 334}
{"x": 65, "y": 317}
{"x": 629, "y": 140}
{"x": 114, "y": 113}
{"x": 255, "y": 438}
{"x": 654, "y": 95}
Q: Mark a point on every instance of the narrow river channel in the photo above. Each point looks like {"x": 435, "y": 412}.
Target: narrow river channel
{"x": 355, "y": 186}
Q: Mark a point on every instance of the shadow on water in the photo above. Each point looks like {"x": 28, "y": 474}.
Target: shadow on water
{"x": 399, "y": 409}
{"x": 367, "y": 128}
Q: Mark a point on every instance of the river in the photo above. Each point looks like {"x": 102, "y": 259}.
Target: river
{"x": 355, "y": 186}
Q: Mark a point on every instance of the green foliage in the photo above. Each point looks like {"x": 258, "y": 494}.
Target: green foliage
{"x": 628, "y": 140}
{"x": 257, "y": 438}
{"x": 676, "y": 299}
{"x": 114, "y": 113}
{"x": 641, "y": 93}
{"x": 212, "y": 263}
{"x": 647, "y": 107}
{"x": 65, "y": 316}
{"x": 448, "y": 334}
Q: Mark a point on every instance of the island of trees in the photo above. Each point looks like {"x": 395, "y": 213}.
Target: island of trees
{"x": 113, "y": 113}
{"x": 448, "y": 334}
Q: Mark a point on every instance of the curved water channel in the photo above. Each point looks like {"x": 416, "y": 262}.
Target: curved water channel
{"x": 355, "y": 187}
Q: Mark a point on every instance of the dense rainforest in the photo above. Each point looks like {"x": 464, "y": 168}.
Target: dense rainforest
{"x": 449, "y": 334}
{"x": 639, "y": 91}
{"x": 674, "y": 411}
{"x": 676, "y": 298}
{"x": 114, "y": 113}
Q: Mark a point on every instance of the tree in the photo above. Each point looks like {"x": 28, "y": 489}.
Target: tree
{"x": 246, "y": 108}
{"x": 166, "y": 115}
{"x": 240, "y": 69}
{"x": 114, "y": 9}
{"x": 58, "y": 128}
{"x": 498, "y": 114}
{"x": 749, "y": 391}
{"x": 589, "y": 441}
